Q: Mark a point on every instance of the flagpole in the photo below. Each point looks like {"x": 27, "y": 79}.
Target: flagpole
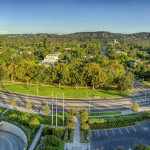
{"x": 52, "y": 108}
{"x": 56, "y": 111}
{"x": 63, "y": 109}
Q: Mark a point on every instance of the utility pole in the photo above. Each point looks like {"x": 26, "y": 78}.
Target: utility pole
{"x": 52, "y": 108}
{"x": 63, "y": 109}
{"x": 56, "y": 111}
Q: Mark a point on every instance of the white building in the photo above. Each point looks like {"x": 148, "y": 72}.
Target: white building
{"x": 115, "y": 41}
{"x": 53, "y": 58}
{"x": 120, "y": 52}
{"x": 49, "y": 60}
{"x": 29, "y": 52}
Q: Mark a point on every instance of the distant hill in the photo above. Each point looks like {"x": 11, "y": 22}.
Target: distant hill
{"x": 78, "y": 35}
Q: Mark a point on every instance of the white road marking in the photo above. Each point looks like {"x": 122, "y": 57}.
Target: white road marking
{"x": 133, "y": 128}
{"x": 120, "y": 131}
{"x": 113, "y": 132}
{"x": 98, "y": 133}
{"x": 8, "y": 141}
{"x": 127, "y": 130}
{"x": 106, "y": 133}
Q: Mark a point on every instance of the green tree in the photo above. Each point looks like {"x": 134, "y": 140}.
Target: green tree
{"x": 28, "y": 105}
{"x": 13, "y": 102}
{"x": 72, "y": 111}
{"x": 24, "y": 119}
{"x": 70, "y": 118}
{"x": 70, "y": 125}
{"x": 49, "y": 148}
{"x": 34, "y": 123}
{"x": 84, "y": 126}
{"x": 135, "y": 106}
{"x": 46, "y": 109}
{"x": 140, "y": 146}
{"x": 58, "y": 131}
{"x": 47, "y": 130}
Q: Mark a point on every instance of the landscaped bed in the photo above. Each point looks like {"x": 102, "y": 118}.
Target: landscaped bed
{"x": 2, "y": 109}
{"x": 43, "y": 119}
{"x": 105, "y": 113}
{"x": 52, "y": 138}
{"x": 117, "y": 121}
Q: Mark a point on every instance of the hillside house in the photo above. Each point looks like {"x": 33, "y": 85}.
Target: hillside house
{"x": 29, "y": 52}
{"x": 134, "y": 62}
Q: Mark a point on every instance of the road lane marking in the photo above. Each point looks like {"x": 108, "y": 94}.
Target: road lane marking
{"x": 133, "y": 128}
{"x": 8, "y": 141}
{"x": 113, "y": 132}
{"x": 127, "y": 130}
{"x": 98, "y": 133}
{"x": 106, "y": 133}
{"x": 120, "y": 131}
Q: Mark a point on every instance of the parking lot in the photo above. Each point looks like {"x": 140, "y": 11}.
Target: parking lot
{"x": 126, "y": 137}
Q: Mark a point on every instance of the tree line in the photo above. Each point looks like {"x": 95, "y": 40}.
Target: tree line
{"x": 75, "y": 73}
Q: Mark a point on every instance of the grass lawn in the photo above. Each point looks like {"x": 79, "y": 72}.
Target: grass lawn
{"x": 42, "y": 118}
{"x": 2, "y": 109}
{"x": 105, "y": 113}
{"x": 68, "y": 92}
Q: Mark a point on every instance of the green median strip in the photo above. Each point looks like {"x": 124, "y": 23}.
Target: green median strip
{"x": 105, "y": 113}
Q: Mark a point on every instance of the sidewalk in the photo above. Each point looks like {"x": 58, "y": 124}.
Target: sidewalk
{"x": 32, "y": 147}
{"x": 77, "y": 145}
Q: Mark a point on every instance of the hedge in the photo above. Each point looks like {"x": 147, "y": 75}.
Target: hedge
{"x": 117, "y": 121}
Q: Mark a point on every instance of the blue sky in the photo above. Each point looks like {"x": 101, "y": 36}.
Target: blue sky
{"x": 68, "y": 16}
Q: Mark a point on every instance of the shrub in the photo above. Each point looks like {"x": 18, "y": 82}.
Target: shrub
{"x": 14, "y": 117}
{"x": 52, "y": 140}
{"x": 72, "y": 111}
{"x": 58, "y": 131}
{"x": 70, "y": 118}
{"x": 135, "y": 106}
{"x": 24, "y": 120}
{"x": 49, "y": 148}
{"x": 83, "y": 112}
{"x": 34, "y": 123}
{"x": 140, "y": 146}
{"x": 83, "y": 118}
{"x": 84, "y": 126}
{"x": 47, "y": 130}
{"x": 70, "y": 125}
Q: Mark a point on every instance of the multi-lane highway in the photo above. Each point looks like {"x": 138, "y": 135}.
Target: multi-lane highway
{"x": 141, "y": 95}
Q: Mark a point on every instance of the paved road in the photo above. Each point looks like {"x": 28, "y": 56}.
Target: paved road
{"x": 142, "y": 96}
{"x": 10, "y": 141}
{"x": 104, "y": 51}
{"x": 126, "y": 137}
{"x": 95, "y": 104}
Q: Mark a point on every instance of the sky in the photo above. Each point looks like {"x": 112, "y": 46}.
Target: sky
{"x": 69, "y": 16}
